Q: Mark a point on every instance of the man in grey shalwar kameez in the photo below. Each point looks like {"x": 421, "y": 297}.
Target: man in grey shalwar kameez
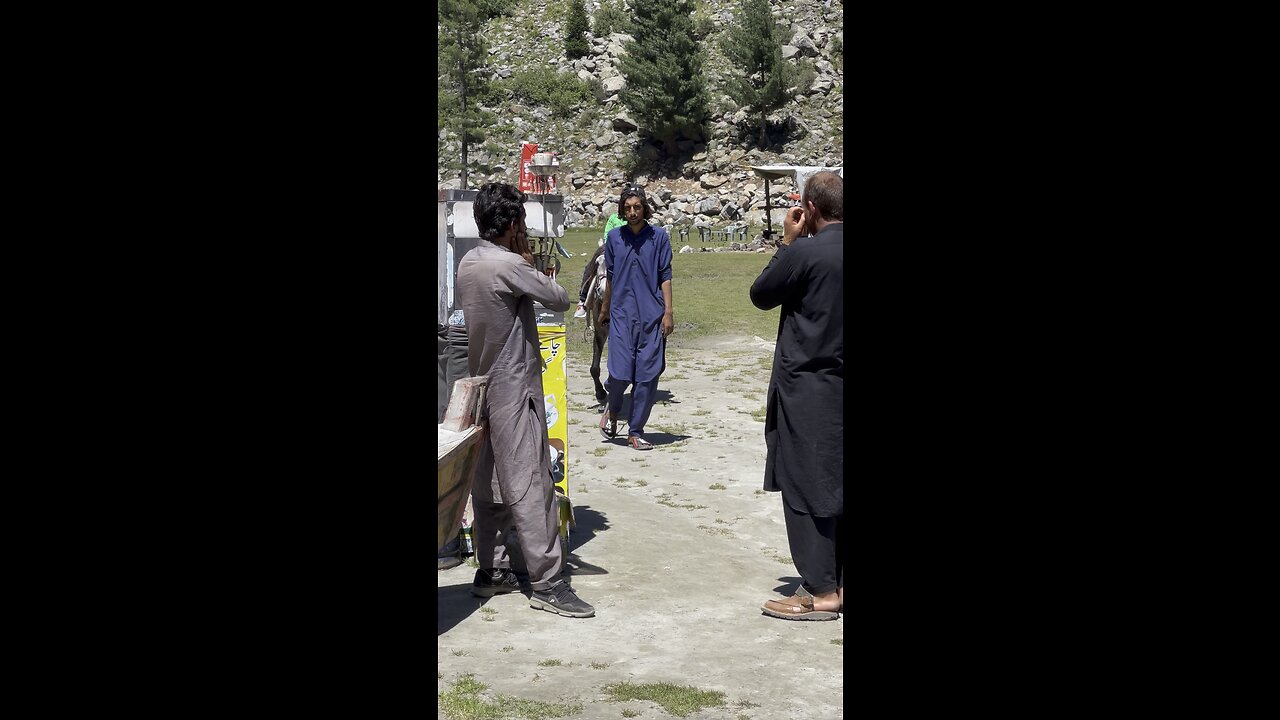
{"x": 513, "y": 490}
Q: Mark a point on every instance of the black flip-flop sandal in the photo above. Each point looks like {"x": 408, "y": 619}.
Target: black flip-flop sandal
{"x": 608, "y": 427}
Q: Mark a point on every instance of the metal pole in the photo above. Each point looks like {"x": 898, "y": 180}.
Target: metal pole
{"x": 768, "y": 223}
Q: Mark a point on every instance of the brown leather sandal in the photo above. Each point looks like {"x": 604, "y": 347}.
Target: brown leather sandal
{"x": 797, "y": 607}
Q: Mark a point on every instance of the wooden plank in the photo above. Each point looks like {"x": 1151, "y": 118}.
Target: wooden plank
{"x": 466, "y": 405}
{"x": 454, "y": 475}
{"x": 455, "y": 472}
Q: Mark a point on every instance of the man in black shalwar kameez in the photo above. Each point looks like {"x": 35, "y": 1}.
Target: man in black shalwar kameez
{"x": 804, "y": 426}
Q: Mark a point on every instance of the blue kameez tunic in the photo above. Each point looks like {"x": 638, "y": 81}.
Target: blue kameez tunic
{"x": 637, "y": 265}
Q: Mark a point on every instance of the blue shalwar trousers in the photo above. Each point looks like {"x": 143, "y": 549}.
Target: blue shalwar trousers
{"x": 643, "y": 395}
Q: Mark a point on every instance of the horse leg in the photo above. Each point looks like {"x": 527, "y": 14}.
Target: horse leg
{"x": 597, "y": 348}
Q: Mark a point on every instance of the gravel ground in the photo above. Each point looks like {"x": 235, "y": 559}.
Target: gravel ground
{"x": 676, "y": 548}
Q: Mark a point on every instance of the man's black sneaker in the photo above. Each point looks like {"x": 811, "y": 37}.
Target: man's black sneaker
{"x": 561, "y": 600}
{"x": 494, "y": 582}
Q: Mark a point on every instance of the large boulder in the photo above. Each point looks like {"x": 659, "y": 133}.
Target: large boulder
{"x": 805, "y": 45}
{"x": 624, "y": 123}
{"x": 614, "y": 84}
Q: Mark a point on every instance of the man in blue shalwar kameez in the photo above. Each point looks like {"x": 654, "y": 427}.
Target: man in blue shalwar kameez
{"x": 637, "y": 307}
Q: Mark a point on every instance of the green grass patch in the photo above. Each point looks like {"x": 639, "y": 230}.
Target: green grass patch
{"x": 508, "y": 648}
{"x": 600, "y": 451}
{"x": 642, "y": 483}
{"x": 549, "y": 663}
{"x": 679, "y": 700}
{"x": 599, "y": 665}
{"x": 463, "y": 702}
{"x": 703, "y": 411}
{"x": 837, "y": 641}
{"x": 715, "y": 486}
{"x": 627, "y": 712}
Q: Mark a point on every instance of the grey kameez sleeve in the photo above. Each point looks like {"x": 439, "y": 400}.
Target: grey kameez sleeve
{"x": 525, "y": 280}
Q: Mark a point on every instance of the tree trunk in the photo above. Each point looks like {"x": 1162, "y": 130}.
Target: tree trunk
{"x": 462, "y": 66}
{"x": 764, "y": 134}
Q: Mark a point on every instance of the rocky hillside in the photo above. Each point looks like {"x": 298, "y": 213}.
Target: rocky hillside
{"x": 709, "y": 184}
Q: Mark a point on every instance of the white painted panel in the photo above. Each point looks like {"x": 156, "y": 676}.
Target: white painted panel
{"x": 463, "y": 220}
{"x": 545, "y": 219}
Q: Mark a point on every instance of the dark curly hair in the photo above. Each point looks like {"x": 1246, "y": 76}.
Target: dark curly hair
{"x": 634, "y": 191}
{"x": 496, "y": 207}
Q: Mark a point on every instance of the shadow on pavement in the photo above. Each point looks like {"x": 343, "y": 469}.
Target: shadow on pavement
{"x": 660, "y": 438}
{"x": 661, "y": 396}
{"x": 587, "y": 523}
{"x": 455, "y": 603}
{"x": 789, "y": 585}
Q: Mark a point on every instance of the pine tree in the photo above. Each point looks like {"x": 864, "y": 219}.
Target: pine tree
{"x": 462, "y": 57}
{"x": 666, "y": 89}
{"x": 575, "y": 31}
{"x": 754, "y": 44}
